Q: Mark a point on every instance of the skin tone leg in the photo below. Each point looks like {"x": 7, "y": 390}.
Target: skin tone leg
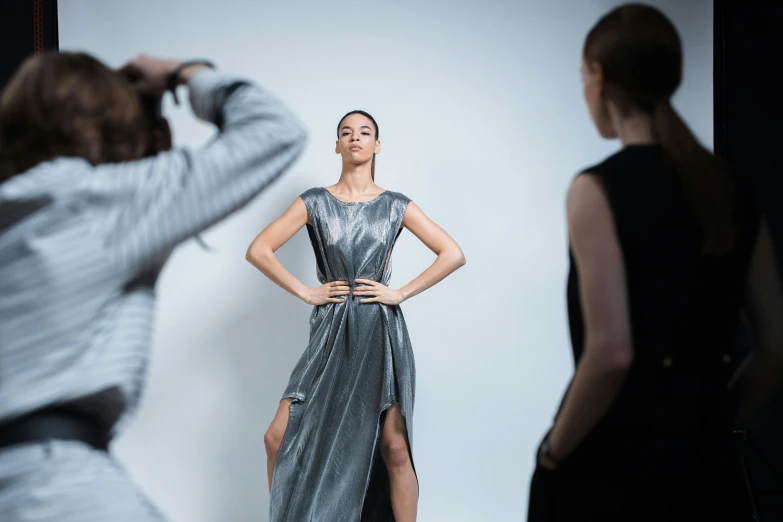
{"x": 274, "y": 437}
{"x": 396, "y": 456}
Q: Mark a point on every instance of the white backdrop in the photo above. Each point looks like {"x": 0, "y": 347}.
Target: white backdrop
{"x": 483, "y": 125}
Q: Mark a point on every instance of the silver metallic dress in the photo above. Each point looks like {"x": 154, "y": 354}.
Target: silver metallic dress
{"x": 359, "y": 361}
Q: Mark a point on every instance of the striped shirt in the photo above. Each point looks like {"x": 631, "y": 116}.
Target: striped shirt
{"x": 81, "y": 247}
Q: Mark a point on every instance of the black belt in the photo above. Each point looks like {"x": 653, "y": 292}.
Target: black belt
{"x": 51, "y": 424}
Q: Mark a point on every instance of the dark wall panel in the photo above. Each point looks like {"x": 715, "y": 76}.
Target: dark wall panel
{"x": 26, "y": 27}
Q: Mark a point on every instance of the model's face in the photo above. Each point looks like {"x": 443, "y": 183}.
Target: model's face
{"x": 593, "y": 80}
{"x": 357, "y": 142}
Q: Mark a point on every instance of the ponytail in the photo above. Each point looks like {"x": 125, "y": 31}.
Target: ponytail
{"x": 705, "y": 181}
{"x": 373, "y": 168}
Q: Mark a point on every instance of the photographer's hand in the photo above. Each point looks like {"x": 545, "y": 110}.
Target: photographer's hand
{"x": 187, "y": 72}
{"x": 171, "y": 197}
{"x": 150, "y": 75}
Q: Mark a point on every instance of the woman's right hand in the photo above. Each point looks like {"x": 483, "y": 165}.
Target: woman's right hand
{"x": 150, "y": 75}
{"x": 328, "y": 293}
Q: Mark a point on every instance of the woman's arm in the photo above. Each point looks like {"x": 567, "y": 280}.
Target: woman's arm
{"x": 450, "y": 258}
{"x": 608, "y": 349}
{"x": 762, "y": 371}
{"x": 159, "y": 202}
{"x": 261, "y": 254}
{"x": 450, "y": 255}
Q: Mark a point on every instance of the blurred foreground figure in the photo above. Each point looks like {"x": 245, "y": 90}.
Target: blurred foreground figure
{"x": 665, "y": 251}
{"x": 91, "y": 205}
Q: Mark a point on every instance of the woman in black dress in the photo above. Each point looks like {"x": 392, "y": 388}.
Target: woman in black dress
{"x": 665, "y": 252}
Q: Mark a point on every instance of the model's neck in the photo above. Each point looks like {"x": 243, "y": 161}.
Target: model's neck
{"x": 635, "y": 128}
{"x": 356, "y": 179}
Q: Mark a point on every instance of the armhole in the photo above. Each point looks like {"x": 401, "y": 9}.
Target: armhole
{"x": 404, "y": 201}
{"x": 601, "y": 180}
{"x": 307, "y": 199}
{"x": 598, "y": 178}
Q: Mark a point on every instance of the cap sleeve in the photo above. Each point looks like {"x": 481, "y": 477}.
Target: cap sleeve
{"x": 399, "y": 207}
{"x": 310, "y": 198}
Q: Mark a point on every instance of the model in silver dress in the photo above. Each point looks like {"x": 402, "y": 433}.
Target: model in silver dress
{"x": 339, "y": 446}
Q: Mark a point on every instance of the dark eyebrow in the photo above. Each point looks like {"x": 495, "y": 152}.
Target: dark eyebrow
{"x": 363, "y": 127}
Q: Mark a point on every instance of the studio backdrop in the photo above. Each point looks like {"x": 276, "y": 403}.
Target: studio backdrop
{"x": 484, "y": 126}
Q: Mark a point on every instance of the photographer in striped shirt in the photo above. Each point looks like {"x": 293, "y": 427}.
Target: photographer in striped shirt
{"x": 91, "y": 204}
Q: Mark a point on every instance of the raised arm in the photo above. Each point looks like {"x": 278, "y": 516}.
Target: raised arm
{"x": 762, "y": 371}
{"x": 261, "y": 254}
{"x": 450, "y": 258}
{"x": 168, "y": 198}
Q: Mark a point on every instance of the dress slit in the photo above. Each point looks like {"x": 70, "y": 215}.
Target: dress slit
{"x": 376, "y": 504}
{"x": 293, "y": 415}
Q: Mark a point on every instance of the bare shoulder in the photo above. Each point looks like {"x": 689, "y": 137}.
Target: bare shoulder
{"x": 585, "y": 190}
{"x": 412, "y": 212}
{"x": 298, "y": 211}
{"x": 587, "y": 203}
{"x": 298, "y": 204}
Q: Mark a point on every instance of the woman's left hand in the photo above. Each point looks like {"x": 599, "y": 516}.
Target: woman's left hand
{"x": 545, "y": 456}
{"x": 377, "y": 293}
{"x": 546, "y": 463}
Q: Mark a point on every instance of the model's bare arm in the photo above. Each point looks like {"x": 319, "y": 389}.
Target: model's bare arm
{"x": 261, "y": 254}
{"x": 450, "y": 258}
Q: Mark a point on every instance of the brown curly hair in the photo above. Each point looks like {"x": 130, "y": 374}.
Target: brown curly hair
{"x": 68, "y": 104}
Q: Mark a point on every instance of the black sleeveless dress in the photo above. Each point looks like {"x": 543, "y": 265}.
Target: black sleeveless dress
{"x": 666, "y": 440}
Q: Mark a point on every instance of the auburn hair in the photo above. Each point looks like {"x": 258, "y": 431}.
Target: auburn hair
{"x": 68, "y": 104}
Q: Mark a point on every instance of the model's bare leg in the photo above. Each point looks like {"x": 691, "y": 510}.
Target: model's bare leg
{"x": 274, "y": 437}
{"x": 396, "y": 456}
